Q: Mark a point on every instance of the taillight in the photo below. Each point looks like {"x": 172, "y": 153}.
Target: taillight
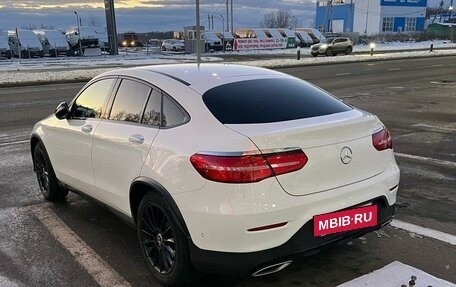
{"x": 247, "y": 168}
{"x": 382, "y": 140}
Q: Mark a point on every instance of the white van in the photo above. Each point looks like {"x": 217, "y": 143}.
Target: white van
{"x": 90, "y": 37}
{"x": 316, "y": 35}
{"x": 5, "y": 51}
{"x": 24, "y": 42}
{"x": 53, "y": 42}
{"x": 303, "y": 39}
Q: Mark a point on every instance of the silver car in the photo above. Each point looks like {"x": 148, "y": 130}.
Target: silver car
{"x": 332, "y": 47}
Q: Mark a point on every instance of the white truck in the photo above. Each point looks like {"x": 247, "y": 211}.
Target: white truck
{"x": 89, "y": 37}
{"x": 25, "y": 43}
{"x": 53, "y": 42}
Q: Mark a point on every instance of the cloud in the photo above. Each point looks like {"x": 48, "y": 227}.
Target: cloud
{"x": 155, "y": 15}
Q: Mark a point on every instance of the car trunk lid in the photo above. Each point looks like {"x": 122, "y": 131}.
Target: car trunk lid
{"x": 338, "y": 146}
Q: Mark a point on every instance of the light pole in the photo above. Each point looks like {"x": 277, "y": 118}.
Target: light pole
{"x": 367, "y": 17}
{"x": 450, "y": 10}
{"x": 79, "y": 33}
{"x": 295, "y": 22}
{"x": 198, "y": 34}
{"x": 223, "y": 23}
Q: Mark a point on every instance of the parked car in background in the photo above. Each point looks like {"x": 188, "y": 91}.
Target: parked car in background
{"x": 54, "y": 42}
{"x": 153, "y": 43}
{"x": 25, "y": 43}
{"x": 227, "y": 40}
{"x": 332, "y": 47}
{"x": 213, "y": 42}
{"x": 222, "y": 168}
{"x": 5, "y": 50}
{"x": 172, "y": 45}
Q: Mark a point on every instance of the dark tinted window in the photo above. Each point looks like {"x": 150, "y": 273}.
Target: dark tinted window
{"x": 129, "y": 102}
{"x": 269, "y": 100}
{"x": 90, "y": 102}
{"x": 152, "y": 114}
{"x": 172, "y": 114}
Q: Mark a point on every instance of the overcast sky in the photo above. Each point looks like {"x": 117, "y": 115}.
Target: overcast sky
{"x": 148, "y": 15}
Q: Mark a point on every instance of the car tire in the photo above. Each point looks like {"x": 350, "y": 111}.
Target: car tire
{"x": 329, "y": 52}
{"x": 163, "y": 48}
{"x": 348, "y": 50}
{"x": 47, "y": 181}
{"x": 315, "y": 54}
{"x": 174, "y": 49}
{"x": 163, "y": 244}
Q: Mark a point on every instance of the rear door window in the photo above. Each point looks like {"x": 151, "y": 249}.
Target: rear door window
{"x": 270, "y": 100}
{"x": 152, "y": 114}
{"x": 129, "y": 101}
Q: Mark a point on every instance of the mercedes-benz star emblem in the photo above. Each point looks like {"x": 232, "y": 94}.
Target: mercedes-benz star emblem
{"x": 346, "y": 155}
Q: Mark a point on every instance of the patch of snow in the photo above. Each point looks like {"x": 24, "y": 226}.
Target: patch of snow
{"x": 396, "y": 274}
{"x": 416, "y": 230}
{"x": 16, "y": 71}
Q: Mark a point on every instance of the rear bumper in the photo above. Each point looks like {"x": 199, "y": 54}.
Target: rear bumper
{"x": 302, "y": 243}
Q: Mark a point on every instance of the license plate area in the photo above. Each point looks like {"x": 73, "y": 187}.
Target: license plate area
{"x": 346, "y": 220}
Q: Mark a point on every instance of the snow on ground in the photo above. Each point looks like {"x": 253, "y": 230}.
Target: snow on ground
{"x": 397, "y": 274}
{"x": 277, "y": 63}
{"x": 69, "y": 68}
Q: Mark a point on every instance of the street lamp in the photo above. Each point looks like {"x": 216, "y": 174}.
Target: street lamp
{"x": 79, "y": 33}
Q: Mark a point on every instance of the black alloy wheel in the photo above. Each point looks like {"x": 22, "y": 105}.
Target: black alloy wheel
{"x": 162, "y": 242}
{"x": 158, "y": 239}
{"x": 42, "y": 172}
{"x": 47, "y": 181}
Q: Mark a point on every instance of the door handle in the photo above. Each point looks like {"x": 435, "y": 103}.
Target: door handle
{"x": 136, "y": 139}
{"x": 87, "y": 129}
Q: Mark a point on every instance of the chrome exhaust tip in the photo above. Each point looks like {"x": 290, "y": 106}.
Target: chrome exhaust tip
{"x": 271, "y": 269}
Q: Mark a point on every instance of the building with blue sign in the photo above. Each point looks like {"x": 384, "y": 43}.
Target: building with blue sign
{"x": 371, "y": 16}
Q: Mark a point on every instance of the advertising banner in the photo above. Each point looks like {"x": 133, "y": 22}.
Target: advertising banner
{"x": 242, "y": 44}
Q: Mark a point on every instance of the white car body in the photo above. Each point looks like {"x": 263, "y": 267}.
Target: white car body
{"x": 173, "y": 45}
{"x": 98, "y": 157}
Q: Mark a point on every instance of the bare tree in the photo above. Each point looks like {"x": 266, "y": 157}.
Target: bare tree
{"x": 278, "y": 19}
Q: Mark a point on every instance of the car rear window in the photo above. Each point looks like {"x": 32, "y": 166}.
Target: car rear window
{"x": 270, "y": 100}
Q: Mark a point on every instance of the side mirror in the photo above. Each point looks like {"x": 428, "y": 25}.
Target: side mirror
{"x": 62, "y": 111}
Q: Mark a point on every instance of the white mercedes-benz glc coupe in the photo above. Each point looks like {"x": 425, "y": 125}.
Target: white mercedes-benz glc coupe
{"x": 221, "y": 168}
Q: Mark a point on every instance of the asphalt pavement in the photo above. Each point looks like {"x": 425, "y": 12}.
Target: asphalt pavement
{"x": 415, "y": 98}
